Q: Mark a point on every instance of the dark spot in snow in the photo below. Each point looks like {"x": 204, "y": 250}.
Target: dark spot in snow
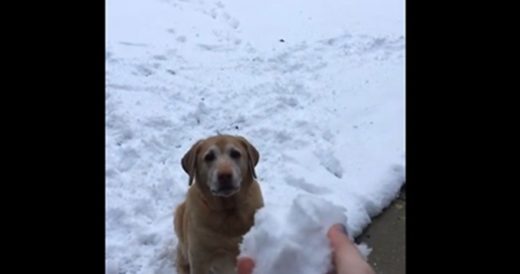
{"x": 172, "y": 72}
{"x": 236, "y": 127}
{"x": 355, "y": 126}
{"x": 281, "y": 40}
{"x": 198, "y": 121}
{"x": 119, "y": 143}
{"x": 202, "y": 99}
{"x": 371, "y": 122}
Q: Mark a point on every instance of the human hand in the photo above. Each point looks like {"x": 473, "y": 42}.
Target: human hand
{"x": 346, "y": 257}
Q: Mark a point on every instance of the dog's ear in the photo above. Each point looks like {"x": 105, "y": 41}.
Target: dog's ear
{"x": 252, "y": 155}
{"x": 189, "y": 161}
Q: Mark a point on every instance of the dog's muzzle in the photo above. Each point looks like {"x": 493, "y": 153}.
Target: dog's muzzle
{"x": 225, "y": 185}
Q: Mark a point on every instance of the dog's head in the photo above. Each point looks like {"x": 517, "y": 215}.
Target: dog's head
{"x": 222, "y": 164}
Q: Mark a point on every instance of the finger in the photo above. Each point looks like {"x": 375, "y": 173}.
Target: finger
{"x": 342, "y": 245}
{"x": 245, "y": 265}
{"x": 346, "y": 257}
{"x": 338, "y": 237}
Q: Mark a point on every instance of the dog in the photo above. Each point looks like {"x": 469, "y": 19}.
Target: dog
{"x": 220, "y": 204}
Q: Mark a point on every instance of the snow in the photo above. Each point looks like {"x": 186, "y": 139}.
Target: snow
{"x": 325, "y": 109}
{"x": 295, "y": 242}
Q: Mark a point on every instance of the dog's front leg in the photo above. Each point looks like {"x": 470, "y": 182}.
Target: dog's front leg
{"x": 199, "y": 266}
{"x": 224, "y": 264}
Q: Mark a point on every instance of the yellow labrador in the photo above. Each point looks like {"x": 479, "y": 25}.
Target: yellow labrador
{"x": 220, "y": 205}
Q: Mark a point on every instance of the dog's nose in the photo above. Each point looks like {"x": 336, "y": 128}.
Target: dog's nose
{"x": 225, "y": 179}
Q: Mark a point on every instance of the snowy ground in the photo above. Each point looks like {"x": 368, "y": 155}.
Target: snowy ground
{"x": 316, "y": 86}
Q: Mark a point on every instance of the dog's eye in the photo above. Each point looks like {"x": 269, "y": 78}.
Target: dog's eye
{"x": 234, "y": 154}
{"x": 209, "y": 157}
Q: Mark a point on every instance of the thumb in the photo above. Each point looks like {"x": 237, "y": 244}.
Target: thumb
{"x": 338, "y": 237}
{"x": 346, "y": 256}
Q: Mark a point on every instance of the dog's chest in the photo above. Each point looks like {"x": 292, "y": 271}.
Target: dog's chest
{"x": 231, "y": 223}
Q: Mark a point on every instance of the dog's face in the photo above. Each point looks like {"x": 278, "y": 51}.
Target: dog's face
{"x": 222, "y": 164}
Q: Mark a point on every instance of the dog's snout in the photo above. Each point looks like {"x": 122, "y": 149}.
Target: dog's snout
{"x": 225, "y": 179}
